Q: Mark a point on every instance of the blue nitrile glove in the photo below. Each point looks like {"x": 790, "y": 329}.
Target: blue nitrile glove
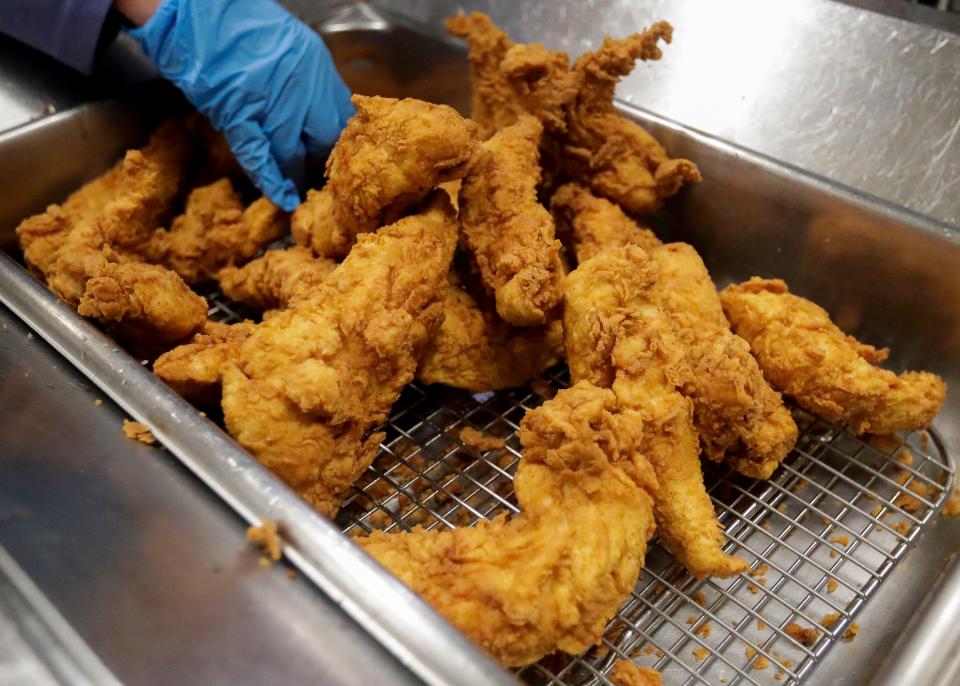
{"x": 262, "y": 77}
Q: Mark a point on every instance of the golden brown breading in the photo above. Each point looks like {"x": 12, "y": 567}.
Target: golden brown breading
{"x": 193, "y": 369}
{"x": 551, "y": 577}
{"x": 616, "y": 336}
{"x": 593, "y": 224}
{"x": 215, "y": 231}
{"x": 276, "y": 278}
{"x": 625, "y": 673}
{"x": 307, "y": 385}
{"x": 476, "y": 350}
{"x": 169, "y": 152}
{"x": 509, "y": 233}
{"x": 604, "y": 150}
{"x": 141, "y": 303}
{"x": 831, "y": 374}
{"x": 739, "y": 417}
{"x": 509, "y": 80}
{"x": 389, "y": 156}
{"x": 97, "y": 266}
{"x": 89, "y": 248}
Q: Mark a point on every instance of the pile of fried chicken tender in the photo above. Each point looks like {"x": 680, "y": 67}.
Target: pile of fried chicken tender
{"x": 432, "y": 252}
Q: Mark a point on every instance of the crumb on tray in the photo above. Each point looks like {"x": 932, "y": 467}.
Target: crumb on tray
{"x": 479, "y": 441}
{"x": 138, "y": 431}
{"x": 625, "y": 673}
{"x": 952, "y": 508}
{"x": 266, "y": 537}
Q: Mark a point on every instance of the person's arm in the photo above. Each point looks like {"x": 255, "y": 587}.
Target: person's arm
{"x": 67, "y": 30}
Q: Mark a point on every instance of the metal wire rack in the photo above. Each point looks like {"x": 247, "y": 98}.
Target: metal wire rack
{"x": 820, "y": 536}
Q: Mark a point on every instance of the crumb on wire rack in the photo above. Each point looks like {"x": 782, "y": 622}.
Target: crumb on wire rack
{"x": 625, "y": 673}
{"x": 480, "y": 441}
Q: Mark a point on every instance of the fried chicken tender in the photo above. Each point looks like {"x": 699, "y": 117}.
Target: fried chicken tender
{"x": 389, "y": 156}
{"x": 193, "y": 369}
{"x": 307, "y": 385}
{"x": 476, "y": 350}
{"x": 275, "y": 279}
{"x": 604, "y": 150}
{"x": 739, "y": 416}
{"x": 90, "y": 248}
{"x": 509, "y": 233}
{"x": 509, "y": 80}
{"x": 594, "y": 224}
{"x": 551, "y": 577}
{"x": 215, "y": 231}
{"x": 169, "y": 152}
{"x": 831, "y": 374}
{"x": 141, "y": 303}
{"x": 617, "y": 337}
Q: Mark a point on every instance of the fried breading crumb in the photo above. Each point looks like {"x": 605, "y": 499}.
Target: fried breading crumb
{"x": 851, "y": 632}
{"x": 779, "y": 675}
{"x": 761, "y": 625}
{"x": 700, "y": 653}
{"x": 704, "y": 630}
{"x": 699, "y": 599}
{"x": 909, "y": 503}
{"x": 875, "y": 512}
{"x": 762, "y": 569}
{"x": 840, "y": 539}
{"x": 266, "y": 537}
{"x": 543, "y": 388}
{"x": 761, "y": 663}
{"x": 479, "y": 441}
{"x": 138, "y": 431}
{"x": 264, "y": 561}
{"x": 749, "y": 651}
{"x": 625, "y": 673}
{"x": 905, "y": 457}
{"x": 831, "y": 585}
{"x": 98, "y": 402}
{"x": 828, "y": 620}
{"x": 952, "y": 508}
{"x": 902, "y": 527}
{"x": 805, "y": 636}
{"x": 885, "y": 443}
{"x": 291, "y": 574}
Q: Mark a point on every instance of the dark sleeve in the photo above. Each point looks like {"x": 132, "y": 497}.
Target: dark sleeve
{"x": 68, "y": 30}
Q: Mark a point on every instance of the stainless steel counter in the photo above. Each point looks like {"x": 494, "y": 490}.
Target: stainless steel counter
{"x": 865, "y": 99}
{"x": 152, "y": 573}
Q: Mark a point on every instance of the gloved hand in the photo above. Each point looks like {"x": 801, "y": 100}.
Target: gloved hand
{"x": 262, "y": 77}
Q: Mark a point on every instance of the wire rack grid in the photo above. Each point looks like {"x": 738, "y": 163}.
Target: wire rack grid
{"x": 820, "y": 536}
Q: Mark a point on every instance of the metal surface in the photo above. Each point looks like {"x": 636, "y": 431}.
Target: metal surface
{"x": 66, "y": 658}
{"x": 435, "y": 653}
{"x": 153, "y": 573}
{"x": 868, "y": 100}
{"x": 874, "y": 266}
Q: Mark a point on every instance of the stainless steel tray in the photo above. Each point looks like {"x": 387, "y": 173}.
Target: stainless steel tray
{"x": 886, "y": 275}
